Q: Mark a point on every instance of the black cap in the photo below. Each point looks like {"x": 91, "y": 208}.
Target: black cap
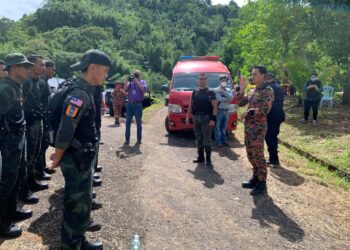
{"x": 92, "y": 56}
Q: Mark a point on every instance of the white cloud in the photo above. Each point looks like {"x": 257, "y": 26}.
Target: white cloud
{"x": 14, "y": 9}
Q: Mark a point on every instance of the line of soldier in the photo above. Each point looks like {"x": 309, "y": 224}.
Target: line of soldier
{"x": 24, "y": 94}
{"x": 25, "y": 135}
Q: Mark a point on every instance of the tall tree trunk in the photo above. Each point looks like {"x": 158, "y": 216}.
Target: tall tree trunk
{"x": 285, "y": 39}
{"x": 346, "y": 91}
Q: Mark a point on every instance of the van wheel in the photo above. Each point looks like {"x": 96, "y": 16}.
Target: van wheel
{"x": 166, "y": 123}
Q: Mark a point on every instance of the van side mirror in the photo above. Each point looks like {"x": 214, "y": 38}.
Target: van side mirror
{"x": 164, "y": 88}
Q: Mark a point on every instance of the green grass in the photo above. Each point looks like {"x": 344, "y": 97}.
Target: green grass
{"x": 329, "y": 140}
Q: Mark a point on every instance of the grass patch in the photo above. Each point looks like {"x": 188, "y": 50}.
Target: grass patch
{"x": 329, "y": 140}
{"x": 149, "y": 111}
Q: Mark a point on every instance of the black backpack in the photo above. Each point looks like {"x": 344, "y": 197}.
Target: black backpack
{"x": 55, "y": 108}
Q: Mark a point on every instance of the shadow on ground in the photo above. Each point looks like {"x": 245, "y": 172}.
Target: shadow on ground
{"x": 207, "y": 175}
{"x": 126, "y": 151}
{"x": 48, "y": 225}
{"x": 266, "y": 211}
{"x": 286, "y": 176}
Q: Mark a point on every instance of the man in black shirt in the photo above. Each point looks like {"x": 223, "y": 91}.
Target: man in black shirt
{"x": 203, "y": 106}
{"x": 274, "y": 119}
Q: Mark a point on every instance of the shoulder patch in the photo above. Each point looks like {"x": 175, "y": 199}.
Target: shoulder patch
{"x": 76, "y": 101}
{"x": 71, "y": 111}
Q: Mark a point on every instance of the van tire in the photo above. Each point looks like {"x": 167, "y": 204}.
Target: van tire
{"x": 167, "y": 128}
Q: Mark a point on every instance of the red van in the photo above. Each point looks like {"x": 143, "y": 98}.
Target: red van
{"x": 185, "y": 80}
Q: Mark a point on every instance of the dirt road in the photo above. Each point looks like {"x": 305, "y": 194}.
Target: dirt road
{"x": 156, "y": 191}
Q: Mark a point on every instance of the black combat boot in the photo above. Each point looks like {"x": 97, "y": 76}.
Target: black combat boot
{"x": 43, "y": 176}
{"x": 93, "y": 226}
{"x": 260, "y": 188}
{"x": 7, "y": 229}
{"x": 208, "y": 156}
{"x": 95, "y": 205}
{"x": 11, "y": 231}
{"x": 200, "y": 157}
{"x": 86, "y": 245}
{"x": 98, "y": 168}
{"x": 29, "y": 198}
{"x": 251, "y": 183}
{"x": 21, "y": 214}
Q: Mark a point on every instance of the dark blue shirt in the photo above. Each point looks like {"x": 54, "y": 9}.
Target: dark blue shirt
{"x": 277, "y": 112}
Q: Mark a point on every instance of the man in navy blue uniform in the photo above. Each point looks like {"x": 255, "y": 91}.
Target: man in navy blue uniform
{"x": 274, "y": 120}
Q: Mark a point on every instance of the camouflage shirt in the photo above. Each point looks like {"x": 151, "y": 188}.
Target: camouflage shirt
{"x": 261, "y": 99}
{"x": 11, "y": 100}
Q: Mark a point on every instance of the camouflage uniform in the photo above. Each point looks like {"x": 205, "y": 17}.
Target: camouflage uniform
{"x": 33, "y": 111}
{"x": 45, "y": 141}
{"x": 11, "y": 145}
{"x": 256, "y": 126}
{"x": 76, "y": 131}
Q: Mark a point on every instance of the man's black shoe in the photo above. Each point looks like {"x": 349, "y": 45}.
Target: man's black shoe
{"x": 260, "y": 188}
{"x": 198, "y": 160}
{"x": 38, "y": 186}
{"x": 96, "y": 176}
{"x": 11, "y": 231}
{"x": 93, "y": 194}
{"x": 21, "y": 214}
{"x": 98, "y": 168}
{"x": 93, "y": 226}
{"x": 274, "y": 163}
{"x": 251, "y": 183}
{"x": 96, "y": 205}
{"x": 44, "y": 176}
{"x": 50, "y": 171}
{"x": 86, "y": 245}
{"x": 96, "y": 182}
{"x": 29, "y": 199}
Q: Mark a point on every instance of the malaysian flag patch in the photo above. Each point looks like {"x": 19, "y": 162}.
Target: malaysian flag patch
{"x": 76, "y": 101}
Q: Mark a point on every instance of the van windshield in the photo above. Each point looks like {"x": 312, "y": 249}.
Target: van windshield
{"x": 189, "y": 81}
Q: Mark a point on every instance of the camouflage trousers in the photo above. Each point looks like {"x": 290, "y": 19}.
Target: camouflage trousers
{"x": 202, "y": 130}
{"x": 40, "y": 163}
{"x": 77, "y": 203}
{"x": 34, "y": 136}
{"x": 11, "y": 147}
{"x": 254, "y": 138}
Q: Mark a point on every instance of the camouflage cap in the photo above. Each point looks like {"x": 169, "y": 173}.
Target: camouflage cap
{"x": 92, "y": 56}
{"x": 15, "y": 59}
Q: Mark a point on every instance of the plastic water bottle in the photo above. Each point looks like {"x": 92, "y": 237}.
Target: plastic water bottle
{"x": 136, "y": 243}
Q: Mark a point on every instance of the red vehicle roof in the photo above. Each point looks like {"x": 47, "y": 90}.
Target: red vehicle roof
{"x": 199, "y": 66}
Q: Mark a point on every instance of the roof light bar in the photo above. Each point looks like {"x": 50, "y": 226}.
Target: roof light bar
{"x": 204, "y": 58}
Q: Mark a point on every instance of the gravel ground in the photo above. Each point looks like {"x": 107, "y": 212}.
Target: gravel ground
{"x": 155, "y": 190}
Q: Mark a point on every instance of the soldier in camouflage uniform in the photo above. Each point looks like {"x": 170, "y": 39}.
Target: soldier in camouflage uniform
{"x": 33, "y": 111}
{"x": 255, "y": 123}
{"x": 40, "y": 166}
{"x": 12, "y": 139}
{"x": 74, "y": 150}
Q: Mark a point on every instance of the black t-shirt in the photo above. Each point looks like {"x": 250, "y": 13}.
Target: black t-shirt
{"x": 201, "y": 101}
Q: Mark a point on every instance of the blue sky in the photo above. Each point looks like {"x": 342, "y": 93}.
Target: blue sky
{"x": 14, "y": 9}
